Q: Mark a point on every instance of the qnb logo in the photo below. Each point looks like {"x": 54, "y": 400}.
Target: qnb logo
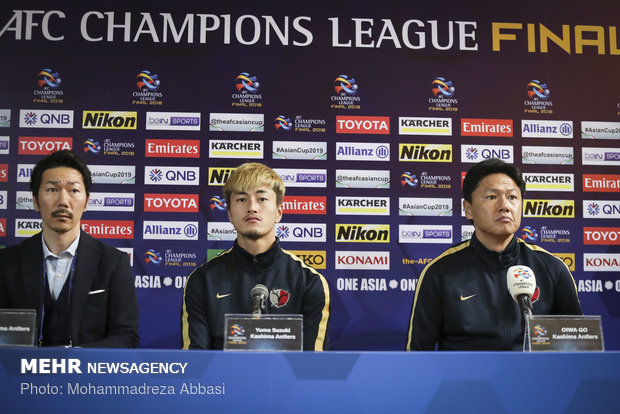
{"x": 343, "y": 85}
{"x": 594, "y": 209}
{"x": 151, "y": 256}
{"x": 92, "y": 146}
{"x": 217, "y": 203}
{"x": 537, "y": 90}
{"x": 529, "y": 234}
{"x": 156, "y": 175}
{"x": 283, "y": 123}
{"x": 245, "y": 82}
{"x": 442, "y": 87}
{"x": 409, "y": 179}
{"x": 30, "y": 118}
{"x": 472, "y": 153}
{"x": 48, "y": 79}
{"x": 147, "y": 81}
{"x": 283, "y": 232}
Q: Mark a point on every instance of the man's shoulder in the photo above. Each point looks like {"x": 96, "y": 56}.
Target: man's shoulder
{"x": 29, "y": 244}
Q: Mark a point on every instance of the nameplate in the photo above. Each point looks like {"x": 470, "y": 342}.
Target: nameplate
{"x": 17, "y": 327}
{"x": 564, "y": 333}
{"x": 263, "y": 332}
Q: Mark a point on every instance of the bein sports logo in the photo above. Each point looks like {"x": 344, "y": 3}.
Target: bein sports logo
{"x": 409, "y": 179}
{"x": 537, "y": 90}
{"x": 529, "y": 234}
{"x": 244, "y": 82}
{"x": 147, "y": 82}
{"x": 151, "y": 256}
{"x": 92, "y": 146}
{"x": 283, "y": 123}
{"x": 48, "y": 79}
{"x": 442, "y": 87}
{"x": 345, "y": 86}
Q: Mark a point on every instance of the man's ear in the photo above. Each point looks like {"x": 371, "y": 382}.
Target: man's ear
{"x": 35, "y": 202}
{"x": 467, "y": 208}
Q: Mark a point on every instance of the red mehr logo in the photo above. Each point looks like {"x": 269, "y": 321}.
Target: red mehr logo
{"x": 486, "y": 127}
{"x": 362, "y": 124}
{"x": 178, "y": 203}
{"x": 43, "y": 145}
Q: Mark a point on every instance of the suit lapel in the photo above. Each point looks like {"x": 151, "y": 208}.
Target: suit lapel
{"x": 88, "y": 254}
{"x": 31, "y": 260}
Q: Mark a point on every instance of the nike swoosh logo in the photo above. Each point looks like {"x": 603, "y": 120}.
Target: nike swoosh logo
{"x": 464, "y": 298}
{"x": 222, "y": 296}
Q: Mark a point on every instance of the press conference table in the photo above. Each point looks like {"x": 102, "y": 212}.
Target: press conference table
{"x": 176, "y": 381}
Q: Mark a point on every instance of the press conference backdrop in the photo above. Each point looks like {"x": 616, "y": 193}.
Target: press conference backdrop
{"x": 371, "y": 113}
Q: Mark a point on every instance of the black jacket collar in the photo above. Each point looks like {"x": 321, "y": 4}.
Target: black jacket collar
{"x": 495, "y": 259}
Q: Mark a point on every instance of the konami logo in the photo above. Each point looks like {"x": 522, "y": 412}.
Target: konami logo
{"x": 601, "y": 262}
{"x": 362, "y": 124}
{"x": 177, "y": 203}
{"x": 172, "y": 148}
{"x": 109, "y": 229}
{"x": 304, "y": 205}
{"x": 486, "y": 127}
{"x": 352, "y": 260}
{"x": 601, "y": 235}
{"x": 603, "y": 183}
{"x": 43, "y": 145}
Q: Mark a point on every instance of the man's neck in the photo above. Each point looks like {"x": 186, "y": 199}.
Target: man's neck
{"x": 59, "y": 242}
{"x": 255, "y": 247}
{"x": 495, "y": 244}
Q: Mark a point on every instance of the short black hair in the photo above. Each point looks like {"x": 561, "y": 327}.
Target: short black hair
{"x": 487, "y": 167}
{"x": 63, "y": 158}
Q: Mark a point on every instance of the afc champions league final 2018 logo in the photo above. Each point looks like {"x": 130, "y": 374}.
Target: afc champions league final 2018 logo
{"x": 49, "y": 89}
{"x": 148, "y": 84}
{"x": 247, "y": 95}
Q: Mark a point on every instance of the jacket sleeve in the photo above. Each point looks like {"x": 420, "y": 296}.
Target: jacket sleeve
{"x": 426, "y": 313}
{"x": 122, "y": 310}
{"x": 316, "y": 309}
{"x": 194, "y": 325}
{"x": 566, "y": 300}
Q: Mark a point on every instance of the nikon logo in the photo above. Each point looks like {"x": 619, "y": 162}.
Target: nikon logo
{"x": 363, "y": 233}
{"x": 549, "y": 208}
{"x": 218, "y": 176}
{"x": 425, "y": 152}
{"x": 109, "y": 120}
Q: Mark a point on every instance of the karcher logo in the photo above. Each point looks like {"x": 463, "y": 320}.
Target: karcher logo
{"x": 425, "y": 152}
{"x": 363, "y": 233}
{"x": 218, "y": 176}
{"x": 109, "y": 120}
{"x": 549, "y": 208}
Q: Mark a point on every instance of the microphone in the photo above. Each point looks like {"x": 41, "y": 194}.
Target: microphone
{"x": 259, "y": 296}
{"x": 521, "y": 284}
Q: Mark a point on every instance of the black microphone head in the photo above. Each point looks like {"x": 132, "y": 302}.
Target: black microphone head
{"x": 259, "y": 290}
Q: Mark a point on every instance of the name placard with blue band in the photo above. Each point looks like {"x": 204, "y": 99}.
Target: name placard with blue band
{"x": 161, "y": 381}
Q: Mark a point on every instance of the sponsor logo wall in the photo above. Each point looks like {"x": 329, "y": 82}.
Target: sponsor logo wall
{"x": 372, "y": 170}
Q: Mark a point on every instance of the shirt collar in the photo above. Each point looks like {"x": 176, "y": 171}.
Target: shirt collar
{"x": 70, "y": 250}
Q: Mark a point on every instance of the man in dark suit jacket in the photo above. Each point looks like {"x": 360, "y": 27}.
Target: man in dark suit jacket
{"x": 81, "y": 288}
